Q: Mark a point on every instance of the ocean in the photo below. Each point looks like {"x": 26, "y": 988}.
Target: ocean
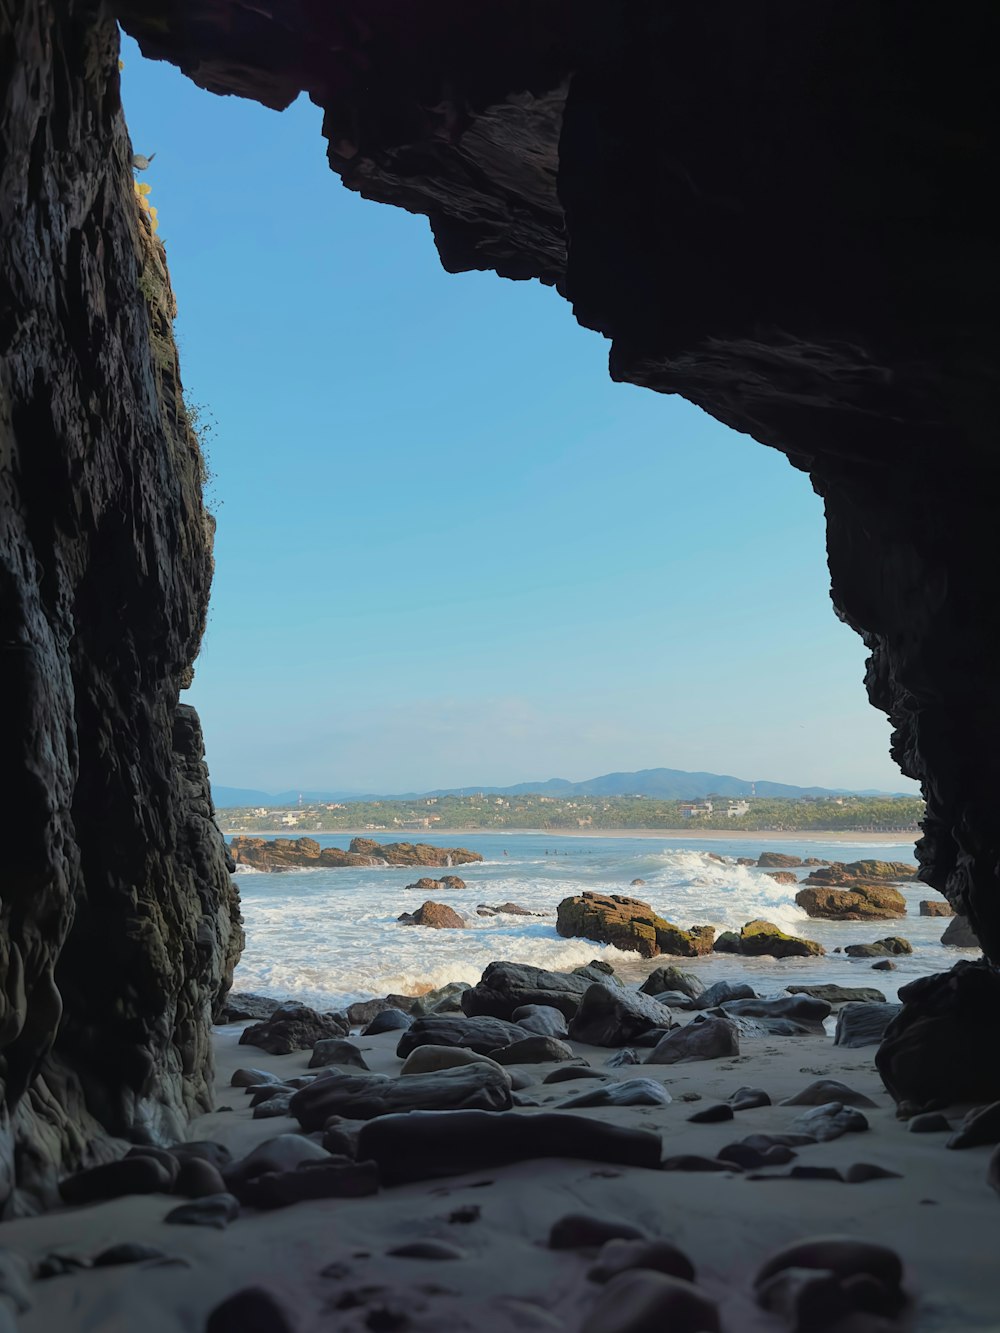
{"x": 328, "y": 937}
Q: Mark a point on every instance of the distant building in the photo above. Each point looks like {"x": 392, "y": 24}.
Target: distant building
{"x": 261, "y": 814}
{"x": 696, "y": 808}
{"x": 737, "y": 809}
{"x": 289, "y": 819}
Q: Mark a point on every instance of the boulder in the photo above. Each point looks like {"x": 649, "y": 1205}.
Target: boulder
{"x": 708, "y": 1040}
{"x": 436, "y": 915}
{"x": 476, "y": 1034}
{"x": 780, "y": 860}
{"x": 363, "y": 1012}
{"x": 728, "y": 942}
{"x": 337, "y": 1051}
{"x": 426, "y": 1145}
{"x": 762, "y": 937}
{"x": 293, "y": 1027}
{"x": 959, "y": 934}
{"x": 838, "y": 874}
{"x": 312, "y": 1180}
{"x": 282, "y": 1153}
{"x": 544, "y": 1019}
{"x": 505, "y": 987}
{"x": 864, "y": 1024}
{"x": 936, "y": 907}
{"x": 862, "y": 902}
{"x": 801, "y": 1009}
{"x": 614, "y": 1016}
{"x": 657, "y": 1256}
{"x": 835, "y": 994}
{"x": 629, "y": 924}
{"x": 505, "y": 909}
{"x": 938, "y": 1049}
{"x": 721, "y": 991}
{"x": 446, "y": 999}
{"x": 782, "y": 876}
{"x": 388, "y": 1020}
{"x": 241, "y": 1005}
{"x": 829, "y": 1121}
{"x": 534, "y": 1050}
{"x": 478, "y": 1086}
{"x": 639, "y": 1301}
{"x": 428, "y": 1059}
{"x": 892, "y": 946}
{"x": 671, "y": 978}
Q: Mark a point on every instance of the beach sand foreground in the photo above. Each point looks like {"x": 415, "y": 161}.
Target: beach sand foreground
{"x": 327, "y": 1260}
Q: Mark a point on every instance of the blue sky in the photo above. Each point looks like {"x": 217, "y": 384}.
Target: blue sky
{"x": 449, "y": 549}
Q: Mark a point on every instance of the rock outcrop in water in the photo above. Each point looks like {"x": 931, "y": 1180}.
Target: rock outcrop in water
{"x": 629, "y": 924}
{"x": 306, "y": 854}
{"x": 864, "y": 902}
{"x": 861, "y": 874}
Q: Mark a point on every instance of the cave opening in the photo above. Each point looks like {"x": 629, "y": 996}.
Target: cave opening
{"x": 791, "y": 234}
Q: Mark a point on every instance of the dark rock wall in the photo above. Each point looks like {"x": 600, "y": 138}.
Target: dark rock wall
{"x": 780, "y": 211}
{"x": 119, "y": 923}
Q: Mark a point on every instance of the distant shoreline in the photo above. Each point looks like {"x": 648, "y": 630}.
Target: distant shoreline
{"x": 689, "y": 835}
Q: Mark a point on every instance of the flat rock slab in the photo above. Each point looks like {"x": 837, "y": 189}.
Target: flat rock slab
{"x": 478, "y": 1034}
{"x": 364, "y": 1096}
{"x": 425, "y": 1145}
{"x": 710, "y": 1040}
{"x": 613, "y": 1016}
{"x": 801, "y": 1009}
{"x": 864, "y": 1024}
{"x": 630, "y": 1092}
{"x": 834, "y": 994}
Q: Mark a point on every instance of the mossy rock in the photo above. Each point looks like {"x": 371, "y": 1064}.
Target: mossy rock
{"x": 728, "y": 942}
{"x": 629, "y": 924}
{"x": 759, "y": 937}
{"x": 861, "y": 902}
{"x": 890, "y": 947}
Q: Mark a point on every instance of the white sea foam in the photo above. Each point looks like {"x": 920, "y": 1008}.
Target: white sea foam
{"x": 332, "y": 935}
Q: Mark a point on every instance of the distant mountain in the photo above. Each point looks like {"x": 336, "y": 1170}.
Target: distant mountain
{"x": 666, "y": 784}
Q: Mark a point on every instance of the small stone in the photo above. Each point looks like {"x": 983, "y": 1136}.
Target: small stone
{"x": 859, "y": 1172}
{"x": 336, "y": 1051}
{"x": 250, "y": 1078}
{"x": 885, "y": 965}
{"x": 428, "y": 1249}
{"x": 842, "y": 1255}
{"x": 253, "y": 1310}
{"x": 130, "y": 1175}
{"x": 533, "y": 1050}
{"x": 127, "y": 1252}
{"x": 626, "y": 1056}
{"x": 829, "y": 1122}
{"x": 214, "y": 1210}
{"x": 828, "y": 1090}
{"x": 388, "y": 1020}
{"x": 747, "y": 1099}
{"x": 931, "y": 1122}
{"x": 712, "y": 1115}
{"x": 581, "y": 1231}
{"x": 695, "y": 1162}
{"x": 639, "y": 1301}
{"x": 748, "y": 1157}
{"x": 657, "y": 1256}
{"x": 165, "y": 1158}
{"x": 981, "y": 1126}
{"x": 805, "y": 1298}
{"x": 568, "y": 1073}
{"x": 197, "y": 1179}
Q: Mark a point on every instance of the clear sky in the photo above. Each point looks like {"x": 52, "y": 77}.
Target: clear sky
{"x": 450, "y": 551}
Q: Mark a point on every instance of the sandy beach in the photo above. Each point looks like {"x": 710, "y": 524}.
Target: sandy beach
{"x": 328, "y": 1262}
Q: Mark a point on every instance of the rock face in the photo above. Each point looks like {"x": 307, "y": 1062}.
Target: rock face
{"x": 939, "y": 1049}
{"x": 436, "y": 915}
{"x": 118, "y": 914}
{"x": 629, "y": 924}
{"x": 306, "y": 854}
{"x": 864, "y": 902}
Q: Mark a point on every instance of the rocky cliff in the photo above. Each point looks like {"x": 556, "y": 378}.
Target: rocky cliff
{"x": 781, "y": 213}
{"x": 119, "y": 924}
